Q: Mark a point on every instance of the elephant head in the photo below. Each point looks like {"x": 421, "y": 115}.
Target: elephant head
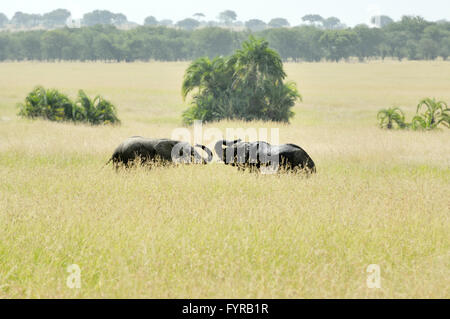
{"x": 228, "y": 151}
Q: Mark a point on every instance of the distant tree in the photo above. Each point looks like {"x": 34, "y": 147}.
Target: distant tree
{"x": 104, "y": 48}
{"x": 56, "y": 18}
{"x": 103, "y": 17}
{"x": 53, "y": 43}
{"x": 151, "y": 21}
{"x": 414, "y": 26}
{"x": 31, "y": 45}
{"x": 286, "y": 42}
{"x": 278, "y": 23}
{"x": 314, "y": 19}
{"x": 338, "y": 44}
{"x": 212, "y": 42}
{"x": 188, "y": 24}
{"x": 26, "y": 20}
{"x": 444, "y": 50}
{"x": 381, "y": 21}
{"x": 368, "y": 42}
{"x": 198, "y": 16}
{"x": 411, "y": 38}
{"x": 428, "y": 49}
{"x": 436, "y": 32}
{"x": 255, "y": 25}
{"x": 166, "y": 22}
{"x": 4, "y": 46}
{"x": 227, "y": 17}
{"x": 119, "y": 19}
{"x": 332, "y": 23}
{"x": 3, "y": 20}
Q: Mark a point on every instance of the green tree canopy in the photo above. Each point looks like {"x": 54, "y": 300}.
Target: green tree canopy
{"x": 56, "y": 18}
{"x": 151, "y": 21}
{"x": 410, "y": 38}
{"x": 247, "y": 85}
{"x": 332, "y": 23}
{"x": 103, "y": 17}
{"x": 26, "y": 20}
{"x": 279, "y": 23}
{"x": 188, "y": 24}
{"x": 313, "y": 19}
{"x": 227, "y": 17}
{"x": 255, "y": 25}
{"x": 3, "y": 20}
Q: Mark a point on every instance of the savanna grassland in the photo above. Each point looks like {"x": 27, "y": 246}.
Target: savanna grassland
{"x": 379, "y": 197}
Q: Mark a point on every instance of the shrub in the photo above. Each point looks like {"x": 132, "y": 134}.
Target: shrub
{"x": 435, "y": 113}
{"x": 247, "y": 85}
{"x": 47, "y": 104}
{"x": 55, "y": 106}
{"x": 387, "y": 118}
{"x": 96, "y": 111}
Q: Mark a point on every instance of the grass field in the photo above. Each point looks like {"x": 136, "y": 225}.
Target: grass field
{"x": 379, "y": 197}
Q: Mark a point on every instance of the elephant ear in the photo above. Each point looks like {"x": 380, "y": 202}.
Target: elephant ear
{"x": 164, "y": 149}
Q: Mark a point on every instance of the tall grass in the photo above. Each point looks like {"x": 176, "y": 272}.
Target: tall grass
{"x": 380, "y": 197}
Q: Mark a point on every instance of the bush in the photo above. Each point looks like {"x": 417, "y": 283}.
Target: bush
{"x": 247, "y": 85}
{"x": 435, "y": 113}
{"x": 96, "y": 111}
{"x": 47, "y": 104}
{"x": 387, "y": 118}
{"x": 54, "y": 106}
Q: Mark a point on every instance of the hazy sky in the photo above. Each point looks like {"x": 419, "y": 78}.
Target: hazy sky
{"x": 350, "y": 12}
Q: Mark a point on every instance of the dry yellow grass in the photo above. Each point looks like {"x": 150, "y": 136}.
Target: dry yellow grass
{"x": 204, "y": 232}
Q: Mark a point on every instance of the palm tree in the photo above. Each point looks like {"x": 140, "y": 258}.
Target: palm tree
{"x": 248, "y": 85}
{"x": 436, "y": 112}
{"x": 388, "y": 117}
{"x": 280, "y": 99}
{"x": 96, "y": 111}
{"x": 208, "y": 75}
{"x": 255, "y": 63}
{"x": 47, "y": 104}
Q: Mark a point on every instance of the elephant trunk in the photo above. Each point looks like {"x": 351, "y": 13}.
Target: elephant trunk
{"x": 208, "y": 151}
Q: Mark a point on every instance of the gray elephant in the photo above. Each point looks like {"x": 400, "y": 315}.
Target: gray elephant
{"x": 256, "y": 155}
{"x": 148, "y": 150}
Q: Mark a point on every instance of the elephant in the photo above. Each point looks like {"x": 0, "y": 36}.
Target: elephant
{"x": 255, "y": 155}
{"x": 148, "y": 150}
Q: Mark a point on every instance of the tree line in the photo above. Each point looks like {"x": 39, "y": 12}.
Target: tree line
{"x": 411, "y": 38}
{"x": 228, "y": 18}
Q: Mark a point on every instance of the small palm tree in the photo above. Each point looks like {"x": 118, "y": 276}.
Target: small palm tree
{"x": 388, "y": 117}
{"x": 436, "y": 112}
{"x": 96, "y": 111}
{"x": 418, "y": 123}
{"x": 47, "y": 104}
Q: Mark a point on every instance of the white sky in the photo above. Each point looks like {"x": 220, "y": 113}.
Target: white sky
{"x": 351, "y": 12}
